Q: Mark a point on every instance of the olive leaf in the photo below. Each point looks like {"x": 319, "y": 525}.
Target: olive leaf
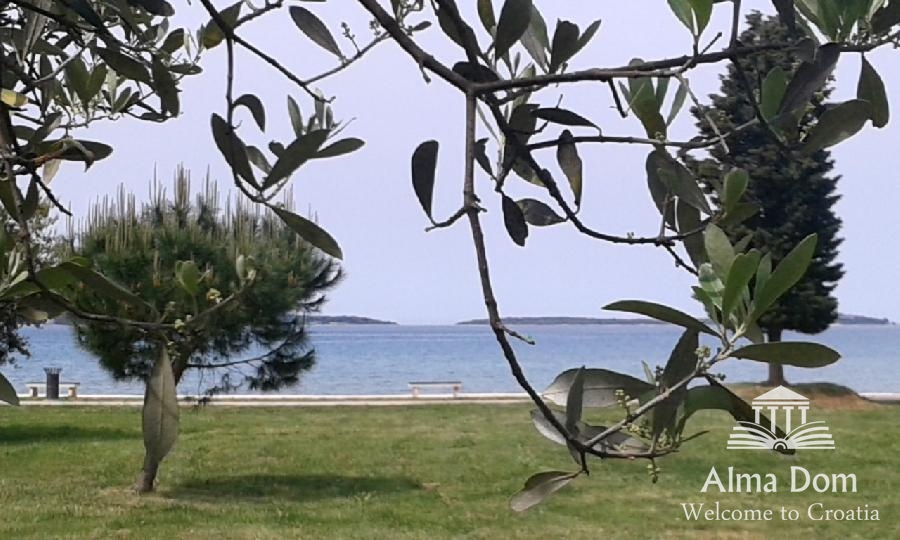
{"x": 838, "y": 124}
{"x": 315, "y": 29}
{"x": 792, "y": 353}
{"x": 564, "y": 117}
{"x": 570, "y": 163}
{"x": 341, "y": 147}
{"x": 295, "y": 155}
{"x": 514, "y": 220}
{"x": 232, "y": 148}
{"x": 514, "y": 19}
{"x": 788, "y": 272}
{"x": 599, "y": 387}
{"x": 809, "y": 78}
{"x": 310, "y": 232}
{"x": 8, "y": 392}
{"x": 424, "y": 161}
{"x": 660, "y": 313}
{"x": 565, "y": 44}
{"x": 539, "y": 487}
{"x": 255, "y": 106}
{"x": 538, "y": 214}
{"x": 871, "y": 89}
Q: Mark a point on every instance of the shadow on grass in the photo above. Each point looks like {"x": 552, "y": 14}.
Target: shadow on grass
{"x": 28, "y": 434}
{"x": 294, "y": 487}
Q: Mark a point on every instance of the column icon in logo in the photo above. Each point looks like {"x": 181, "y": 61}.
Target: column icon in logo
{"x": 799, "y": 433}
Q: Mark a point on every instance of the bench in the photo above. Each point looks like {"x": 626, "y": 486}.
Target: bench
{"x": 71, "y": 388}
{"x": 416, "y": 386}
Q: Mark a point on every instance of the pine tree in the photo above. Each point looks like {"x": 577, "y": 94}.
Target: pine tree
{"x": 141, "y": 246}
{"x": 795, "y": 195}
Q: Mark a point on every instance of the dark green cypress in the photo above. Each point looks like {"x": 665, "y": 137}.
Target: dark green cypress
{"x": 796, "y": 194}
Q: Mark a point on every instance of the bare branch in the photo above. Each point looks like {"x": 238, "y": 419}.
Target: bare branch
{"x": 680, "y": 262}
{"x": 344, "y": 65}
{"x": 712, "y": 124}
{"x": 694, "y": 144}
{"x": 484, "y": 274}
{"x": 668, "y": 67}
{"x": 449, "y": 221}
{"x": 735, "y": 23}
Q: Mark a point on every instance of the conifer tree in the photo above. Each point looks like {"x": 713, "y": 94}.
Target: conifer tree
{"x": 795, "y": 194}
{"x": 260, "y": 341}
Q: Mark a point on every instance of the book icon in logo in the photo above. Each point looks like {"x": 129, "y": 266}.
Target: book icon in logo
{"x": 805, "y": 435}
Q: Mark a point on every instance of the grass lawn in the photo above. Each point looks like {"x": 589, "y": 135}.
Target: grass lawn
{"x": 415, "y": 472}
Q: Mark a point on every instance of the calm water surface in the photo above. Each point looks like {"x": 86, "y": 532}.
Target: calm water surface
{"x": 383, "y": 359}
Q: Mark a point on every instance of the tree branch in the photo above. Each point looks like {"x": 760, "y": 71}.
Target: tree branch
{"x": 424, "y": 59}
{"x": 659, "y": 398}
{"x": 694, "y": 144}
{"x": 490, "y": 302}
{"x": 231, "y": 35}
{"x": 667, "y": 67}
{"x": 359, "y": 54}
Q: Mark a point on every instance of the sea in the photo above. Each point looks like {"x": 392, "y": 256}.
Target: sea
{"x": 383, "y": 359}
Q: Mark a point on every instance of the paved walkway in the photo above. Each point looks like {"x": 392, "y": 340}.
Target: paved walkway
{"x": 286, "y": 400}
{"x": 327, "y": 401}
{"x": 885, "y": 397}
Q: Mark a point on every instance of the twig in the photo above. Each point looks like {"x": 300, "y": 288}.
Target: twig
{"x": 449, "y": 221}
{"x": 700, "y": 107}
{"x": 659, "y": 398}
{"x": 344, "y": 65}
{"x": 517, "y": 335}
{"x": 616, "y": 99}
{"x": 231, "y": 35}
{"x": 52, "y": 75}
{"x": 679, "y": 261}
{"x": 269, "y": 6}
{"x": 36, "y": 178}
{"x": 735, "y": 23}
{"x": 618, "y": 139}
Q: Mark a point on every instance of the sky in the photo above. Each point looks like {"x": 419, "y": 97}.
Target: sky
{"x": 395, "y": 270}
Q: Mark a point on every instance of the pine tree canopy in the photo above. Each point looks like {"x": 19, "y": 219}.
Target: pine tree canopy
{"x": 142, "y": 245}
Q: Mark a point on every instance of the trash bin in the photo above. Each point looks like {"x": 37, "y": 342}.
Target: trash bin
{"x": 52, "y": 382}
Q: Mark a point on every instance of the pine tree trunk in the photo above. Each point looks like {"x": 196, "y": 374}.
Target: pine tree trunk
{"x": 776, "y": 371}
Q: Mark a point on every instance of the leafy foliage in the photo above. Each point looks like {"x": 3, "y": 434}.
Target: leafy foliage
{"x": 75, "y": 63}
{"x": 69, "y": 65}
{"x": 712, "y": 207}
{"x": 16, "y": 313}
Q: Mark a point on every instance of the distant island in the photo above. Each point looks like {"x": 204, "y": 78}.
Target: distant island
{"x": 343, "y": 319}
{"x": 66, "y": 319}
{"x": 842, "y": 319}
{"x": 564, "y": 320}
